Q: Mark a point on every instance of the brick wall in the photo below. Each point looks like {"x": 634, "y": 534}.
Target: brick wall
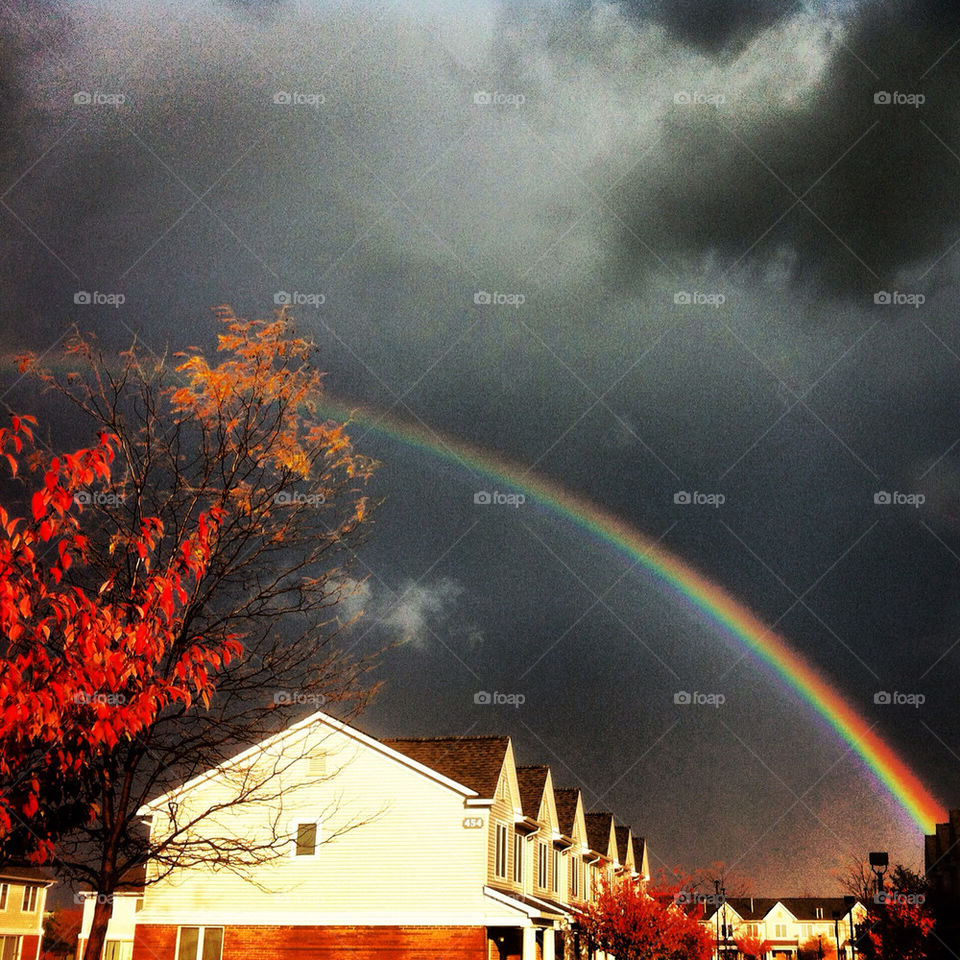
{"x": 326, "y": 943}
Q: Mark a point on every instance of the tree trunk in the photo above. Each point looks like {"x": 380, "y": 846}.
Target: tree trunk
{"x": 98, "y": 929}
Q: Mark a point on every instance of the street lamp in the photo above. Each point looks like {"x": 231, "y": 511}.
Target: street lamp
{"x": 878, "y": 864}
{"x": 716, "y": 906}
{"x": 850, "y": 902}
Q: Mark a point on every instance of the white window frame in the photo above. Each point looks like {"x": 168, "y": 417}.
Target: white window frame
{"x": 201, "y": 932}
{"x": 543, "y": 868}
{"x": 555, "y": 886}
{"x": 294, "y": 829}
{"x": 517, "y": 857}
{"x": 575, "y": 877}
{"x": 4, "y": 896}
{"x": 124, "y": 949}
{"x": 500, "y": 855}
{"x": 31, "y": 897}
{"x": 18, "y": 940}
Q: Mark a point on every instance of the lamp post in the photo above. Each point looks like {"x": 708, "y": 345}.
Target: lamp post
{"x": 836, "y": 929}
{"x": 716, "y": 904}
{"x": 878, "y": 864}
{"x": 850, "y": 902}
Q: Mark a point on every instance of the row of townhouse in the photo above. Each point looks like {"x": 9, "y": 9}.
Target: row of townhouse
{"x": 23, "y": 897}
{"x": 397, "y": 848}
{"x": 783, "y": 926}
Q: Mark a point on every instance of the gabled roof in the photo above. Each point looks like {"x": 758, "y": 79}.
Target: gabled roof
{"x": 566, "y": 801}
{"x": 475, "y": 762}
{"x": 598, "y": 831}
{"x": 804, "y": 909}
{"x": 531, "y": 781}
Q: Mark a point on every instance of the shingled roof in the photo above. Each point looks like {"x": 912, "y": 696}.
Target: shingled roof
{"x": 475, "y": 762}
{"x": 531, "y": 781}
{"x": 26, "y": 874}
{"x": 598, "y": 830}
{"x": 565, "y": 799}
{"x": 803, "y": 908}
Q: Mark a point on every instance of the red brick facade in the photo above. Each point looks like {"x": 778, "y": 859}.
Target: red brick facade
{"x": 30, "y": 948}
{"x": 325, "y": 943}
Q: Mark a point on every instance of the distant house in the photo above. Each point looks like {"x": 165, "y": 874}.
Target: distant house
{"x": 126, "y": 903}
{"x": 23, "y": 897}
{"x": 459, "y": 853}
{"x": 783, "y": 925}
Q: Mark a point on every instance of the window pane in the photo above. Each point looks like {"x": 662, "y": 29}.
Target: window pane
{"x": 9, "y": 948}
{"x": 110, "y": 950}
{"x": 189, "y": 937}
{"x": 212, "y": 943}
{"x": 306, "y": 839}
{"x": 3, "y": 896}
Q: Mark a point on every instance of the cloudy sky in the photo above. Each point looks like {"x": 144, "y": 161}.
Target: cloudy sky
{"x": 720, "y": 244}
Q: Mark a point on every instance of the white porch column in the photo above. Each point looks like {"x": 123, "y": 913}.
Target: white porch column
{"x": 529, "y": 943}
{"x": 548, "y": 944}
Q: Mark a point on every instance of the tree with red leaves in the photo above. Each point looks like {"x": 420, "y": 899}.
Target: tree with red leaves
{"x": 166, "y": 600}
{"x": 750, "y": 946}
{"x": 633, "y": 924}
{"x": 898, "y": 925}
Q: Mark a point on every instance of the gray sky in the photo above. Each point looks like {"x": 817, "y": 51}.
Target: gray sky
{"x": 691, "y": 215}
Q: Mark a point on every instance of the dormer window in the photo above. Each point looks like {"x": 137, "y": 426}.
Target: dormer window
{"x": 819, "y": 913}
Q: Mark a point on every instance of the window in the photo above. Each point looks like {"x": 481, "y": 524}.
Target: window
{"x": 500, "y": 854}
{"x": 556, "y": 871}
{"x": 4, "y": 890}
{"x": 819, "y": 913}
{"x": 542, "y": 865}
{"x": 575, "y": 876}
{"x": 305, "y": 836}
{"x": 780, "y": 931}
{"x": 199, "y": 943}
{"x": 29, "y": 899}
{"x": 118, "y": 950}
{"x": 517, "y": 858}
{"x": 9, "y": 947}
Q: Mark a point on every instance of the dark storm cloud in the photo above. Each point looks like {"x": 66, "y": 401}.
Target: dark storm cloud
{"x": 845, "y": 191}
{"x": 713, "y": 26}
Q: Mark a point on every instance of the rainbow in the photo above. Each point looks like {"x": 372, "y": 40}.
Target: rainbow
{"x": 684, "y": 581}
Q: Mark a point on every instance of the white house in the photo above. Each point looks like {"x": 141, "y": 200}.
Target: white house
{"x": 400, "y": 848}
